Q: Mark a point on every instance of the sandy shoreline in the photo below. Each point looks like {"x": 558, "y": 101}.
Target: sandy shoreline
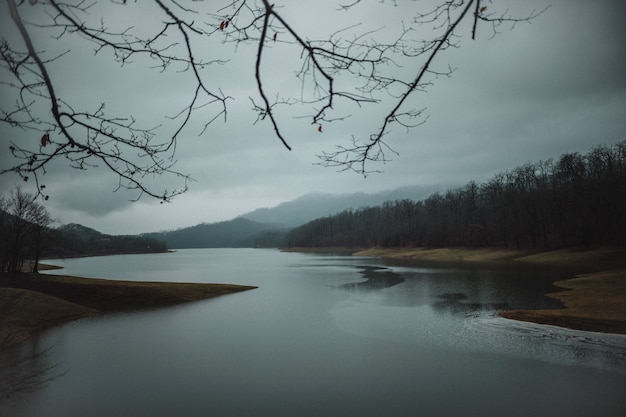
{"x": 593, "y": 302}
{"x": 604, "y": 258}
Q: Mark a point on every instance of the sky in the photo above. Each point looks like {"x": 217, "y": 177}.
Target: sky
{"x": 543, "y": 88}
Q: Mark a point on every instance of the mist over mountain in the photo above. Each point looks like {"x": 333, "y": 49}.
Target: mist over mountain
{"x": 573, "y": 201}
{"x": 263, "y": 227}
{"x": 238, "y": 232}
{"x": 315, "y": 205}
{"x": 266, "y": 227}
{"x": 73, "y": 239}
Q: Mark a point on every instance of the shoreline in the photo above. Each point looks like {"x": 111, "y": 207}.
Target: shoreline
{"x": 593, "y": 301}
{"x": 31, "y": 303}
{"x": 599, "y": 258}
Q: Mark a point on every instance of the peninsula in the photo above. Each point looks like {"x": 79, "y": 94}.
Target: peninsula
{"x": 30, "y": 303}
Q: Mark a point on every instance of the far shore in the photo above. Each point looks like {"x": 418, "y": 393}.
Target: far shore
{"x": 593, "y": 301}
{"x": 30, "y": 303}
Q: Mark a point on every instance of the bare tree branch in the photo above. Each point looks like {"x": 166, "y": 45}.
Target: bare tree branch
{"x": 267, "y": 110}
{"x": 342, "y": 72}
{"x": 363, "y": 153}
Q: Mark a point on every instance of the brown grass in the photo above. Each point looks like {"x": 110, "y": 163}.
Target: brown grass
{"x": 611, "y": 257}
{"x": 445, "y": 254}
{"x": 25, "y": 312}
{"x": 32, "y": 302}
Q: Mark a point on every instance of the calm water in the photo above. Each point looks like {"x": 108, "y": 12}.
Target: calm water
{"x": 323, "y": 335}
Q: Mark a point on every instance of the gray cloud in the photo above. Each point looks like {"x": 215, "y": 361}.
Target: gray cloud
{"x": 546, "y": 88}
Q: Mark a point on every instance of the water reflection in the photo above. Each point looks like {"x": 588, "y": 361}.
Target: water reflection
{"x": 567, "y": 346}
{"x": 330, "y": 336}
{"x": 24, "y": 368}
{"x": 456, "y": 303}
{"x": 458, "y": 289}
{"x": 376, "y": 278}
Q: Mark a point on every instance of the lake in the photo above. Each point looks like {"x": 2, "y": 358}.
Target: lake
{"x": 323, "y": 335}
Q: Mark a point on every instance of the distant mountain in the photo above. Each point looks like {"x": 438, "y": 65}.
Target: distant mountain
{"x": 267, "y": 227}
{"x": 315, "y": 205}
{"x": 80, "y": 231}
{"x": 239, "y": 232}
{"x": 77, "y": 240}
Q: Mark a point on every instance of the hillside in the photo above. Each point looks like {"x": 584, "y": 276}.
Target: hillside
{"x": 264, "y": 227}
{"x": 574, "y": 201}
{"x": 267, "y": 227}
{"x": 315, "y": 205}
{"x": 234, "y": 233}
{"x": 77, "y": 240}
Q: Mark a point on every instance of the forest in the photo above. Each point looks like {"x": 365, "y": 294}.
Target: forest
{"x": 72, "y": 239}
{"x": 235, "y": 233}
{"x": 26, "y": 236}
{"x": 575, "y": 201}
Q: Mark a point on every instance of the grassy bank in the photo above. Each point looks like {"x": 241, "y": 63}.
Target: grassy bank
{"x": 30, "y": 303}
{"x": 593, "y": 302}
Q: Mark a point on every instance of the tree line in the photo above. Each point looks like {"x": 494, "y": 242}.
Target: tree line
{"x": 23, "y": 229}
{"x": 73, "y": 239}
{"x": 26, "y": 236}
{"x": 577, "y": 200}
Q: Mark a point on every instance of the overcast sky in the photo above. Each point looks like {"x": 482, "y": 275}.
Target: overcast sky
{"x": 552, "y": 86}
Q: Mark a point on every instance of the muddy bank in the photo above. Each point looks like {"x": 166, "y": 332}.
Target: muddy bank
{"x": 30, "y": 303}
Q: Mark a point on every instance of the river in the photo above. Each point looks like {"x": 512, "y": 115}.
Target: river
{"x": 323, "y": 335}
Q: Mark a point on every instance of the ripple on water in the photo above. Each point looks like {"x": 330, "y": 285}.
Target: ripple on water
{"x": 552, "y": 343}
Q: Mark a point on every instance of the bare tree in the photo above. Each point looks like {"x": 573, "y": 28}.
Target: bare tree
{"x": 4, "y": 232}
{"x": 39, "y": 234}
{"x": 347, "y": 69}
{"x": 23, "y": 369}
{"x": 23, "y": 228}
